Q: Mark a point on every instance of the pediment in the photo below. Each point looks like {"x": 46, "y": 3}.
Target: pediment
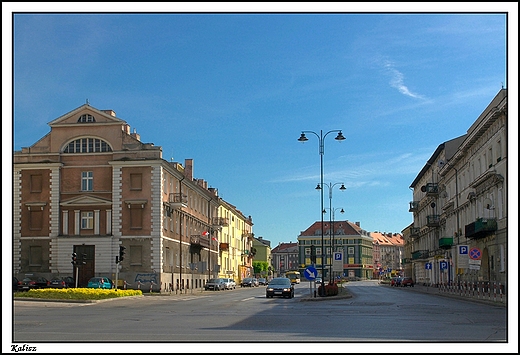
{"x": 101, "y": 117}
{"x": 86, "y": 201}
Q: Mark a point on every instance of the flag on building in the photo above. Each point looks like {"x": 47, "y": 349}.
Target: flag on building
{"x": 205, "y": 233}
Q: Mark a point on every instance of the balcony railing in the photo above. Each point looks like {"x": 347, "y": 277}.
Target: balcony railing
{"x": 446, "y": 242}
{"x": 247, "y": 234}
{"x": 433, "y": 220}
{"x": 200, "y": 240}
{"x": 414, "y": 206}
{"x": 177, "y": 200}
{"x": 220, "y": 221}
{"x": 481, "y": 227}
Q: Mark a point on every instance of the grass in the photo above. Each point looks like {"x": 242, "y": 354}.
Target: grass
{"x": 77, "y": 293}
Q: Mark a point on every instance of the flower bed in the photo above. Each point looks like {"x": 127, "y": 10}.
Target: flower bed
{"x": 77, "y": 293}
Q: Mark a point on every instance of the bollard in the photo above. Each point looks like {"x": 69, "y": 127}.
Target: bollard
{"x": 124, "y": 285}
{"x": 138, "y": 285}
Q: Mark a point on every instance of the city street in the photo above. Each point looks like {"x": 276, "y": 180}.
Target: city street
{"x": 375, "y": 313}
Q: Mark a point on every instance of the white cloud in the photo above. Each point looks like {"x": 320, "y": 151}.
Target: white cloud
{"x": 397, "y": 81}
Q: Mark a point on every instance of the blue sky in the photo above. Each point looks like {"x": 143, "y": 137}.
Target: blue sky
{"x": 233, "y": 91}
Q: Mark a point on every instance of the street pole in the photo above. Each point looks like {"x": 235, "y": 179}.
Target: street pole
{"x": 321, "y": 138}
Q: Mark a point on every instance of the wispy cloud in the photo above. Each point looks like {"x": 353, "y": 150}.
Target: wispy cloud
{"x": 397, "y": 81}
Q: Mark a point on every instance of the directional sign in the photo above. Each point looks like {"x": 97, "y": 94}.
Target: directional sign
{"x": 475, "y": 254}
{"x": 428, "y": 266}
{"x": 443, "y": 265}
{"x": 310, "y": 273}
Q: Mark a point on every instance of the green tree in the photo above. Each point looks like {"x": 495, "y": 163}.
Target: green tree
{"x": 260, "y": 267}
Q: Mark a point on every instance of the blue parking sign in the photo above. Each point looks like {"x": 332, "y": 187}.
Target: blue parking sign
{"x": 463, "y": 249}
{"x": 443, "y": 265}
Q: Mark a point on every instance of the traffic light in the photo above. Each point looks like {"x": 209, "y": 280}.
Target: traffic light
{"x": 74, "y": 259}
{"x": 83, "y": 259}
{"x": 121, "y": 253}
{"x": 313, "y": 254}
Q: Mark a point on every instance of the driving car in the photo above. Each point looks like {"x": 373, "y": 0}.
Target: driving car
{"x": 407, "y": 281}
{"x": 62, "y": 282}
{"x": 215, "y": 285}
{"x": 318, "y": 280}
{"x": 32, "y": 282}
{"x": 229, "y": 283}
{"x": 247, "y": 282}
{"x": 280, "y": 286}
{"x": 100, "y": 282}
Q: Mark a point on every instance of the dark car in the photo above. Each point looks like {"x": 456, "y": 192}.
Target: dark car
{"x": 407, "y": 281}
{"x": 247, "y": 282}
{"x": 15, "y": 284}
{"x": 262, "y": 281}
{"x": 62, "y": 282}
{"x": 33, "y": 282}
{"x": 280, "y": 286}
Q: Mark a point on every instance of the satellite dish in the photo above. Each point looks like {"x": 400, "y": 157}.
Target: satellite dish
{"x": 488, "y": 204}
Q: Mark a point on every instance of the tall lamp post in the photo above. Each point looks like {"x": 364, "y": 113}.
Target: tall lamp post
{"x": 321, "y": 139}
{"x": 332, "y": 243}
{"x": 330, "y": 186}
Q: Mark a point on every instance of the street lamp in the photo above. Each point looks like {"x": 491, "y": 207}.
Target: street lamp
{"x": 332, "y": 242}
{"x": 321, "y": 139}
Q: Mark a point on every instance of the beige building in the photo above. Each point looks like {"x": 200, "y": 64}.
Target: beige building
{"x": 91, "y": 187}
{"x": 388, "y": 253}
{"x": 459, "y": 205}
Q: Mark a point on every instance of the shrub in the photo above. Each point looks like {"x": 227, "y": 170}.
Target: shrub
{"x": 77, "y": 293}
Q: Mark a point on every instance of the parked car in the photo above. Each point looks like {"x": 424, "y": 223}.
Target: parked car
{"x": 62, "y": 282}
{"x": 255, "y": 282}
{"x": 396, "y": 281}
{"x": 100, "y": 282}
{"x": 262, "y": 281}
{"x": 280, "y": 286}
{"x": 247, "y": 282}
{"x": 230, "y": 283}
{"x": 32, "y": 282}
{"x": 15, "y": 284}
{"x": 407, "y": 281}
{"x": 215, "y": 285}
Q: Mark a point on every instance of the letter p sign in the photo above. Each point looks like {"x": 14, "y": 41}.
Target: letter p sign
{"x": 463, "y": 249}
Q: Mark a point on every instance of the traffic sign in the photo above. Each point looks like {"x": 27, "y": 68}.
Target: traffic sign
{"x": 475, "y": 254}
{"x": 337, "y": 264}
{"x": 310, "y": 273}
{"x": 463, "y": 249}
{"x": 443, "y": 265}
{"x": 428, "y": 266}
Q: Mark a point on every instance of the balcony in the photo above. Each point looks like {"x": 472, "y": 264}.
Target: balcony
{"x": 431, "y": 189}
{"x": 420, "y": 254}
{"x": 482, "y": 227}
{"x": 446, "y": 243}
{"x": 220, "y": 221}
{"x": 414, "y": 231}
{"x": 414, "y": 206}
{"x": 177, "y": 200}
{"x": 247, "y": 234}
{"x": 200, "y": 240}
{"x": 433, "y": 220}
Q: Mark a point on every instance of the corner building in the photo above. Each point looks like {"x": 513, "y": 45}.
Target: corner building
{"x": 90, "y": 186}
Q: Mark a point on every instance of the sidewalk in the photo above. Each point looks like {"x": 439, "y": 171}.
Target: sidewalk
{"x": 473, "y": 295}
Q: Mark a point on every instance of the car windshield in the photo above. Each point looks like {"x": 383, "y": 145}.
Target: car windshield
{"x": 247, "y": 280}
{"x": 280, "y": 282}
{"x": 213, "y": 280}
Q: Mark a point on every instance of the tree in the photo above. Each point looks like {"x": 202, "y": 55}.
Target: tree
{"x": 260, "y": 267}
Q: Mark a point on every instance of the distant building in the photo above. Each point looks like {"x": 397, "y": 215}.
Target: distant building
{"x": 388, "y": 253}
{"x": 284, "y": 257}
{"x": 341, "y": 236}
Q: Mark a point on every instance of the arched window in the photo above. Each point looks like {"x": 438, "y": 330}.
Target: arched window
{"x": 87, "y": 145}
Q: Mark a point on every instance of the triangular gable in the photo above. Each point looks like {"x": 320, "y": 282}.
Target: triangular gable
{"x": 86, "y": 201}
{"x": 72, "y": 116}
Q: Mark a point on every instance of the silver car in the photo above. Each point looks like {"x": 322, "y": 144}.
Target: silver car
{"x": 230, "y": 283}
{"x": 215, "y": 285}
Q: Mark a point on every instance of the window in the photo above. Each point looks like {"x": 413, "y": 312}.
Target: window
{"x": 87, "y": 181}
{"x": 136, "y": 255}
{"x": 36, "y": 219}
{"x": 136, "y": 181}
{"x": 35, "y": 256}
{"x": 86, "y": 118}
{"x": 350, "y": 250}
{"x": 36, "y": 183}
{"x": 87, "y": 145}
{"x": 136, "y": 216}
{"x": 87, "y": 220}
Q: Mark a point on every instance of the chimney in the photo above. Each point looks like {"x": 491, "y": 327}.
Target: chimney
{"x": 188, "y": 168}
{"x": 357, "y": 224}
